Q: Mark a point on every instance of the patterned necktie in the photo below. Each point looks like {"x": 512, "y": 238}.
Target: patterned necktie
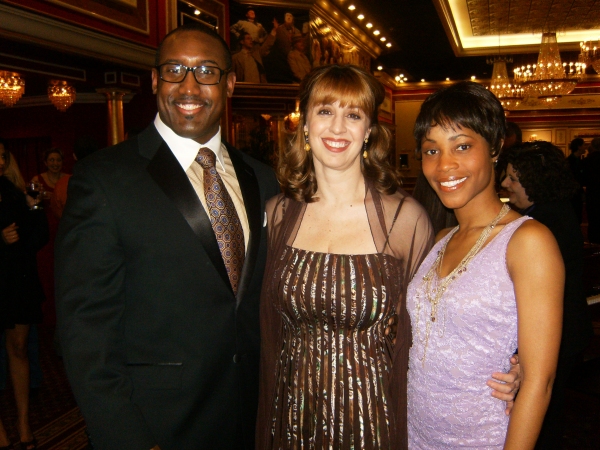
{"x": 223, "y": 218}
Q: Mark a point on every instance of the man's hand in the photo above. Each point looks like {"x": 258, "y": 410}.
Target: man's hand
{"x": 506, "y": 385}
{"x": 10, "y": 234}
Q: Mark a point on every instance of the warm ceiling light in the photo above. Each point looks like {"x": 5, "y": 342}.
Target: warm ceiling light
{"x": 505, "y": 89}
{"x": 61, "y": 94}
{"x": 360, "y": 16}
{"x": 447, "y": 79}
{"x": 389, "y": 44}
{"x": 382, "y": 39}
{"x": 397, "y": 78}
{"x": 550, "y": 77}
{"x": 422, "y": 80}
{"x": 379, "y": 67}
{"x": 376, "y": 32}
{"x": 12, "y": 87}
{"x": 369, "y": 25}
{"x": 473, "y": 77}
{"x": 197, "y": 12}
{"x": 351, "y": 7}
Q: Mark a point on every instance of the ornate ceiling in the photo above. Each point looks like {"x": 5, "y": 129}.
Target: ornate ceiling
{"x": 526, "y": 16}
{"x": 476, "y": 27}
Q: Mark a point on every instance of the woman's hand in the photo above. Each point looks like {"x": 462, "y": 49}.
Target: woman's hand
{"x": 506, "y": 385}
{"x": 10, "y": 234}
{"x": 31, "y": 202}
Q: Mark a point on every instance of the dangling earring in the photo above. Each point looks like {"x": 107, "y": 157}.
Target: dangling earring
{"x": 365, "y": 148}
{"x": 306, "y": 144}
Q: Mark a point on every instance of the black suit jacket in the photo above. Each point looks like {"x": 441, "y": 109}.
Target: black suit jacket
{"x": 157, "y": 347}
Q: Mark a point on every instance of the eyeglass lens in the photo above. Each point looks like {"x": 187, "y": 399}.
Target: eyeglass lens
{"x": 175, "y": 73}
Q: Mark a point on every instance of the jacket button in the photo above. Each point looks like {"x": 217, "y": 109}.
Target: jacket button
{"x": 236, "y": 358}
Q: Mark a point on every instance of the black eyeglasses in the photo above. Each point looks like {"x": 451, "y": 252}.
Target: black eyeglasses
{"x": 176, "y": 73}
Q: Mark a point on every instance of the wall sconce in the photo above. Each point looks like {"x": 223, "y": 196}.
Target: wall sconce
{"x": 12, "y": 87}
{"x": 61, "y": 94}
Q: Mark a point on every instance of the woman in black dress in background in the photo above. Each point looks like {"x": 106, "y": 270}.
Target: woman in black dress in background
{"x": 541, "y": 186}
{"x": 23, "y": 232}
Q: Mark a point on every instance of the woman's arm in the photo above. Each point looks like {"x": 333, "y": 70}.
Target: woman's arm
{"x": 537, "y": 270}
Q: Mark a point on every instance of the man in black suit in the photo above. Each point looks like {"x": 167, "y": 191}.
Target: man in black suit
{"x": 161, "y": 349}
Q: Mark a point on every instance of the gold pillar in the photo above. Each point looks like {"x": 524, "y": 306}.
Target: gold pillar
{"x": 114, "y": 103}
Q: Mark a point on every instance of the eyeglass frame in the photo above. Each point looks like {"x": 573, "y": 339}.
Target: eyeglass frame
{"x": 193, "y": 70}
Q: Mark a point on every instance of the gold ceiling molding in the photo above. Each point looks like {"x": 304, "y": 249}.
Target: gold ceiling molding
{"x": 486, "y": 27}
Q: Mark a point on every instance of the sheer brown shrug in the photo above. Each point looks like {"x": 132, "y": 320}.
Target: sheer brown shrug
{"x": 400, "y": 228}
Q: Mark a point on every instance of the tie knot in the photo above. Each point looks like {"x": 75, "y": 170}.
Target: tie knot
{"x": 206, "y": 158}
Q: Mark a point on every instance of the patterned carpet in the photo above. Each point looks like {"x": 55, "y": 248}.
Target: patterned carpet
{"x": 58, "y": 424}
{"x": 55, "y": 419}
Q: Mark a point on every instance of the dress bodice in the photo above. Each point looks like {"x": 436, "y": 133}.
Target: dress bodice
{"x": 335, "y": 359}
{"x": 474, "y": 335}
{"x": 330, "y": 377}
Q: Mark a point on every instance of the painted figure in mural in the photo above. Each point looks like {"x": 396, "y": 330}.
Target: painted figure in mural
{"x": 250, "y": 26}
{"x": 247, "y": 63}
{"x": 297, "y": 58}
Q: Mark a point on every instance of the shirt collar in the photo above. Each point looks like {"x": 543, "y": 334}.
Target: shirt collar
{"x": 185, "y": 149}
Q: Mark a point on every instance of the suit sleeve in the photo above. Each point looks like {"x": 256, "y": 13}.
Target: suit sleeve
{"x": 91, "y": 299}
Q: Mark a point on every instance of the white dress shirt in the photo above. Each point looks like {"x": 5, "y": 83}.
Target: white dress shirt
{"x": 185, "y": 151}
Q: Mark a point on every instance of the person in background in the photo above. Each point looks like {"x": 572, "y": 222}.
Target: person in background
{"x": 591, "y": 179}
{"x": 158, "y": 304}
{"x": 13, "y": 174}
{"x": 492, "y": 284}
{"x": 514, "y": 135}
{"x": 23, "y": 231}
{"x": 84, "y": 146}
{"x": 577, "y": 147}
{"x": 53, "y": 160}
{"x": 540, "y": 184}
{"x": 297, "y": 58}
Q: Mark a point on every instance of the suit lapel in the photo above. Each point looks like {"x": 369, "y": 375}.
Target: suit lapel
{"x": 251, "y": 195}
{"x": 168, "y": 174}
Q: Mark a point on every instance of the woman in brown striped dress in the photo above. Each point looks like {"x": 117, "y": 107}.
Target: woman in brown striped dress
{"x": 344, "y": 241}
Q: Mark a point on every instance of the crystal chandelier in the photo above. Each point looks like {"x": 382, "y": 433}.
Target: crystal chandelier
{"x": 61, "y": 94}
{"x": 590, "y": 53}
{"x": 12, "y": 87}
{"x": 509, "y": 94}
{"x": 550, "y": 78}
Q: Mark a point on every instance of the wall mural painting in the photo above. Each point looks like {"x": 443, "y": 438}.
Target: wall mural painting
{"x": 282, "y": 45}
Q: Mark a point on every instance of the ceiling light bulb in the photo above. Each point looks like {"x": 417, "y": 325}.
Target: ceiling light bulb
{"x": 382, "y": 39}
{"x": 389, "y": 44}
{"x": 379, "y": 67}
{"x": 360, "y": 16}
{"x": 369, "y": 25}
{"x": 197, "y": 12}
{"x": 447, "y": 79}
{"x": 351, "y": 7}
{"x": 397, "y": 78}
{"x": 472, "y": 77}
{"x": 376, "y": 32}
{"x": 422, "y": 80}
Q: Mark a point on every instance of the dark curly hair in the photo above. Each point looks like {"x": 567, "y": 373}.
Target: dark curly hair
{"x": 466, "y": 104}
{"x": 350, "y": 85}
{"x": 543, "y": 171}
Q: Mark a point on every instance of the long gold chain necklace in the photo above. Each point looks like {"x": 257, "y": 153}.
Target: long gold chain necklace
{"x": 434, "y": 294}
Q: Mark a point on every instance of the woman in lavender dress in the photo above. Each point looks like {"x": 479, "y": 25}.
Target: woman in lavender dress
{"x": 489, "y": 285}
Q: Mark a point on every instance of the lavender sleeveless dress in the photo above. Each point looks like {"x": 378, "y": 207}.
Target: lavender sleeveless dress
{"x": 475, "y": 333}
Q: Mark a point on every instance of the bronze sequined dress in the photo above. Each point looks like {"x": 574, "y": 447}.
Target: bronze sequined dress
{"x": 330, "y": 378}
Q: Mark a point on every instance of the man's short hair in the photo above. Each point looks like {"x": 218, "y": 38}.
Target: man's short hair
{"x": 200, "y": 28}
